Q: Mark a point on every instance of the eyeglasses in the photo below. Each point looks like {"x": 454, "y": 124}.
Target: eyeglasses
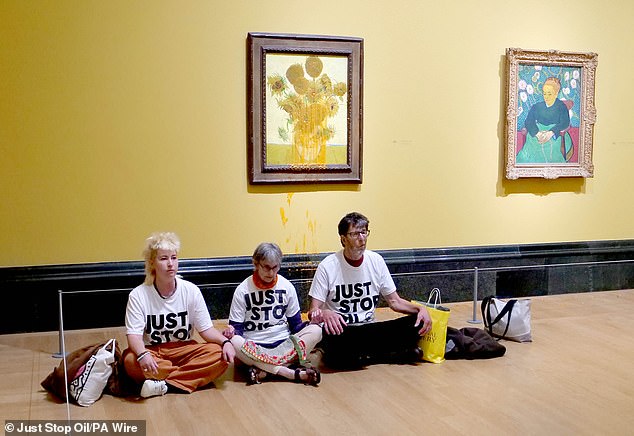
{"x": 268, "y": 268}
{"x": 357, "y": 235}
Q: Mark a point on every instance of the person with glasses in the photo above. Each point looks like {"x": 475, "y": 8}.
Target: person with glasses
{"x": 345, "y": 292}
{"x": 265, "y": 323}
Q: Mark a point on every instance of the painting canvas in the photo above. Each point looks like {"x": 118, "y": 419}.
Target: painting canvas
{"x": 550, "y": 114}
{"x": 305, "y": 109}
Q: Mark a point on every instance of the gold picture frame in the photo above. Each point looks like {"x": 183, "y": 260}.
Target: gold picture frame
{"x": 550, "y": 113}
{"x": 305, "y": 95}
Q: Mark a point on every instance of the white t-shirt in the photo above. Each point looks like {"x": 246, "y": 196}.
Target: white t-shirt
{"x": 352, "y": 291}
{"x": 264, "y": 313}
{"x": 162, "y": 320}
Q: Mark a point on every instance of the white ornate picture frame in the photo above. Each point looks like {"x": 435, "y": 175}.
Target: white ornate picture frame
{"x": 550, "y": 113}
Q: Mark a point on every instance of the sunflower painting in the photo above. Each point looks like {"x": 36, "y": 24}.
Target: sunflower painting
{"x": 305, "y": 100}
{"x": 306, "y": 110}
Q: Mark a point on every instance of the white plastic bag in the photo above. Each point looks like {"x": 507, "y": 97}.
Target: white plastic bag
{"x": 91, "y": 378}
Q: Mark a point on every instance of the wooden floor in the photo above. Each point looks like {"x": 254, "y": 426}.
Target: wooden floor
{"x": 575, "y": 378}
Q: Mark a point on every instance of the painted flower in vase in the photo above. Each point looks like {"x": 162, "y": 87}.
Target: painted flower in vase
{"x": 309, "y": 99}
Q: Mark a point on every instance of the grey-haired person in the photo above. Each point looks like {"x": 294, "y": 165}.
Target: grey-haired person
{"x": 266, "y": 326}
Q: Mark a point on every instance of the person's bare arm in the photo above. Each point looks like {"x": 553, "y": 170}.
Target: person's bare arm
{"x": 147, "y": 362}
{"x": 401, "y": 305}
{"x": 333, "y": 322}
{"x": 214, "y": 336}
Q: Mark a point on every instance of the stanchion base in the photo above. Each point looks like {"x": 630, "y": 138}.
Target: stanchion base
{"x": 474, "y": 321}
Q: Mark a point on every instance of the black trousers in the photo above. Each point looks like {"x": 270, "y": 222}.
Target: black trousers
{"x": 392, "y": 341}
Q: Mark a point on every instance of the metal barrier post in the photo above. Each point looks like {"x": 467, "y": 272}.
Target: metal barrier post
{"x": 475, "y": 319}
{"x": 61, "y": 352}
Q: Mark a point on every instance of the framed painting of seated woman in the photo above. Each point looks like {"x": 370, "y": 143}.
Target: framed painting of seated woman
{"x": 550, "y": 113}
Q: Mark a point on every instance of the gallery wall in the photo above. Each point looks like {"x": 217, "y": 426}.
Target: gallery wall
{"x": 121, "y": 118}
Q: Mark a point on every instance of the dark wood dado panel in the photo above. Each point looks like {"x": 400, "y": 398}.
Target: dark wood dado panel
{"x": 32, "y": 297}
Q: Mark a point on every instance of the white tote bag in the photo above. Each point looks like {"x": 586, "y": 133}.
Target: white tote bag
{"x": 91, "y": 378}
{"x": 507, "y": 319}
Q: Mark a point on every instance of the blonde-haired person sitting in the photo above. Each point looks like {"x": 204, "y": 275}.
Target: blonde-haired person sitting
{"x": 160, "y": 315}
{"x": 265, "y": 324}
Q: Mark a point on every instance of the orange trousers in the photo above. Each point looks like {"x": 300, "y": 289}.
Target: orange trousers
{"x": 187, "y": 365}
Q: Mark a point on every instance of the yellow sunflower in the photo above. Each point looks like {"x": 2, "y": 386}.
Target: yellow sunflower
{"x": 288, "y": 106}
{"x": 313, "y": 92}
{"x": 340, "y": 89}
{"x": 294, "y": 73}
{"x": 276, "y": 84}
{"x": 325, "y": 84}
{"x": 301, "y": 85}
{"x": 314, "y": 65}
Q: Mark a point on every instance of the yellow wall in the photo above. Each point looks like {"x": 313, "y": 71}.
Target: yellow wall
{"x": 118, "y": 118}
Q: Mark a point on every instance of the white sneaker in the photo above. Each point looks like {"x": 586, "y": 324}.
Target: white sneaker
{"x": 152, "y": 388}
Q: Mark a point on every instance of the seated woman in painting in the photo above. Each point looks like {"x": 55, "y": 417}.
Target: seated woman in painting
{"x": 545, "y": 124}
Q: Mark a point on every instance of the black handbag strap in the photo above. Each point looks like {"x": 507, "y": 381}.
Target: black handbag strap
{"x": 486, "y": 314}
